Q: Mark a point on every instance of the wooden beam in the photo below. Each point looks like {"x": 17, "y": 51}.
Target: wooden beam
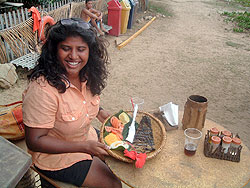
{"x": 13, "y": 4}
{"x": 136, "y": 34}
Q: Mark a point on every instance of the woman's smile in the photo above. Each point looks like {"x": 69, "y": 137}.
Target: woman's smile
{"x": 73, "y": 64}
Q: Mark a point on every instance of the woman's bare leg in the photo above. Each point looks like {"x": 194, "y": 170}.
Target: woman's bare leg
{"x": 100, "y": 175}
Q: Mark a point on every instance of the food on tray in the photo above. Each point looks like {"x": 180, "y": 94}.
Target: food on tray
{"x": 115, "y": 131}
{"x": 144, "y": 139}
{"x": 116, "y": 123}
{"x": 119, "y": 145}
{"x": 124, "y": 118}
{"x": 111, "y": 138}
{"x": 116, "y": 128}
{"x": 148, "y": 142}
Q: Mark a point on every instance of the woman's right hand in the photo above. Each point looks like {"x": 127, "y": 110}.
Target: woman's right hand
{"x": 96, "y": 149}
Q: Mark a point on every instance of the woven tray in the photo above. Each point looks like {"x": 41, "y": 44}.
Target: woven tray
{"x": 159, "y": 135}
{"x": 233, "y": 154}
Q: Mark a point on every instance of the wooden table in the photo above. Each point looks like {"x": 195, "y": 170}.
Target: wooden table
{"x": 172, "y": 168}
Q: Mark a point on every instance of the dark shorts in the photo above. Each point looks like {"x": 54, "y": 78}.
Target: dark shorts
{"x": 74, "y": 174}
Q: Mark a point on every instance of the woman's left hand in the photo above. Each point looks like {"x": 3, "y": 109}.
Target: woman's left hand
{"x": 102, "y": 115}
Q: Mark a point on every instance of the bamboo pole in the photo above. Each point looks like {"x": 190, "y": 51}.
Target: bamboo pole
{"x": 136, "y": 34}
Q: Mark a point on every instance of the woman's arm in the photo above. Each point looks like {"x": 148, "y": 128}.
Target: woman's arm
{"x": 38, "y": 140}
{"x": 40, "y": 106}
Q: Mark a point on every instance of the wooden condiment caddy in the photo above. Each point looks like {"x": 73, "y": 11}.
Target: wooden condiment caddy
{"x": 233, "y": 153}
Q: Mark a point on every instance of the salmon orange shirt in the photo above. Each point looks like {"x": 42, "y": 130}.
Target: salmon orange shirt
{"x": 67, "y": 116}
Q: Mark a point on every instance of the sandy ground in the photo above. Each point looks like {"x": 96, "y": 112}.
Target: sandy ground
{"x": 190, "y": 52}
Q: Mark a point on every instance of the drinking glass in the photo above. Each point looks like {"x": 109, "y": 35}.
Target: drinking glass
{"x": 192, "y": 138}
{"x": 138, "y": 101}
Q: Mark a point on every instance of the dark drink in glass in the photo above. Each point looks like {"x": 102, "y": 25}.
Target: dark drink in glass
{"x": 190, "y": 149}
{"x": 192, "y": 137}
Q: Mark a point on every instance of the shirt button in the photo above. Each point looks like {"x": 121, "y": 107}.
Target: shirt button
{"x": 87, "y": 115}
{"x": 84, "y": 102}
{"x": 73, "y": 118}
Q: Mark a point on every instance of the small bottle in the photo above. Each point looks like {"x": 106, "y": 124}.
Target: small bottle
{"x": 215, "y": 141}
{"x": 235, "y": 144}
{"x": 213, "y": 132}
{"x": 226, "y": 142}
{"x": 225, "y": 133}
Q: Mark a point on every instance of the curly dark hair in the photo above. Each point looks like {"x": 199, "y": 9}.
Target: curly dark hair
{"x": 95, "y": 71}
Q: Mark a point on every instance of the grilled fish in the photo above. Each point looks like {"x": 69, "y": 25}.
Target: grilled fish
{"x": 144, "y": 139}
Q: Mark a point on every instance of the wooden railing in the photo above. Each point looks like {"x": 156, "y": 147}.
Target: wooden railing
{"x": 12, "y": 18}
{"x": 13, "y": 22}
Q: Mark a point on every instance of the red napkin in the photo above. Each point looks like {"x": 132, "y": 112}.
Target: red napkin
{"x": 140, "y": 158}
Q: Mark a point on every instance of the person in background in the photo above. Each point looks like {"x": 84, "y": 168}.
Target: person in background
{"x": 60, "y": 102}
{"x": 93, "y": 16}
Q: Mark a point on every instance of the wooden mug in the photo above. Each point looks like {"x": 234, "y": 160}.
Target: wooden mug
{"x": 195, "y": 111}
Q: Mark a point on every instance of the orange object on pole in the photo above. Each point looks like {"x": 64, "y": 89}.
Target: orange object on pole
{"x": 36, "y": 18}
{"x": 45, "y": 20}
{"x": 136, "y": 34}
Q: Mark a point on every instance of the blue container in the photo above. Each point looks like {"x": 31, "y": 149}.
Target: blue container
{"x": 131, "y": 14}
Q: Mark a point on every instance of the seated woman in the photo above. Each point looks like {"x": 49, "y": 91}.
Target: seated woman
{"x": 93, "y": 16}
{"x": 60, "y": 102}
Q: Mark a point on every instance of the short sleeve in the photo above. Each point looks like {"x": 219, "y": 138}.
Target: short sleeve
{"x": 39, "y": 106}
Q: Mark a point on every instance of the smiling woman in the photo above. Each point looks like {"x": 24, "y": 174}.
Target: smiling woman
{"x": 60, "y": 102}
{"x": 59, "y": 40}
